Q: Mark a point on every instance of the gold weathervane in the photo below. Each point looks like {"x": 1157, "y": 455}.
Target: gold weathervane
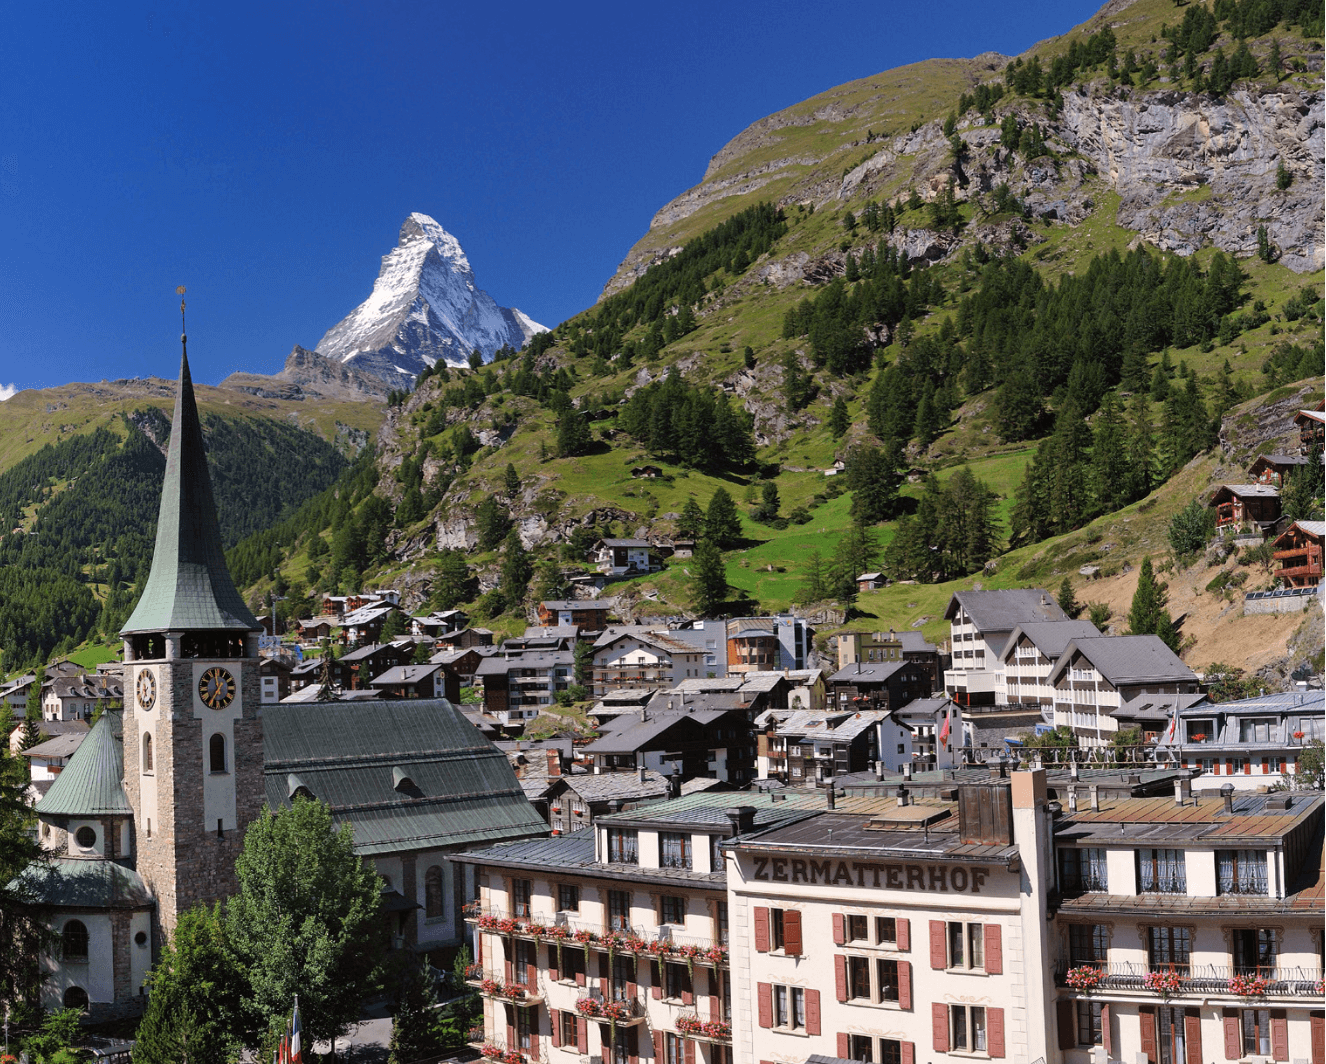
{"x": 179, "y": 291}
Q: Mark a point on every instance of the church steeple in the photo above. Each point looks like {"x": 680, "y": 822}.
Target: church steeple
{"x": 189, "y": 587}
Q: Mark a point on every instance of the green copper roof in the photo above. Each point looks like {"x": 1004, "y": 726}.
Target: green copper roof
{"x": 89, "y": 786}
{"x": 82, "y": 884}
{"x": 189, "y": 587}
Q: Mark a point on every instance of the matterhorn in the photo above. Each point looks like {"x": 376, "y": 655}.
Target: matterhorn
{"x": 425, "y": 308}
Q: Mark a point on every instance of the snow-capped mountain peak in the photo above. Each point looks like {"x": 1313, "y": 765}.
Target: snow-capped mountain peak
{"x": 424, "y": 307}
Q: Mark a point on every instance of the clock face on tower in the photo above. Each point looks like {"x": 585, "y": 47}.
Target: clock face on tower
{"x": 216, "y": 688}
{"x": 147, "y": 689}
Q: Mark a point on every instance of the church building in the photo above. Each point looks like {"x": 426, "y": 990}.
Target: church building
{"x": 148, "y": 818}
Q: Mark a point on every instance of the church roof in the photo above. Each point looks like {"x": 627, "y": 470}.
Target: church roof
{"x": 189, "y": 587}
{"x": 90, "y": 785}
{"x": 81, "y": 883}
{"x": 462, "y": 791}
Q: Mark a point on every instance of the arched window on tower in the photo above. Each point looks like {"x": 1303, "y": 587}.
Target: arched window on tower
{"x": 434, "y": 895}
{"x": 147, "y": 751}
{"x": 75, "y": 998}
{"x": 74, "y": 941}
{"x": 216, "y": 749}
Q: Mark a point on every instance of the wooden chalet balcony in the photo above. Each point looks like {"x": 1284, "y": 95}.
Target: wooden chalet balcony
{"x": 1205, "y": 980}
{"x": 1296, "y": 572}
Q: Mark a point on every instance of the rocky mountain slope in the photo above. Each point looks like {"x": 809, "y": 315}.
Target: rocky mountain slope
{"x": 425, "y": 308}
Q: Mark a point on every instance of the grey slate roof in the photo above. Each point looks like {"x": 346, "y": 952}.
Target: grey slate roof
{"x": 830, "y": 727}
{"x": 405, "y": 674}
{"x": 1050, "y": 637}
{"x": 1247, "y": 491}
{"x": 189, "y": 586}
{"x": 1001, "y": 611}
{"x": 1128, "y": 659}
{"x": 345, "y": 752}
{"x": 76, "y": 883}
{"x": 60, "y": 746}
{"x": 869, "y": 671}
{"x": 605, "y": 786}
{"x": 90, "y": 785}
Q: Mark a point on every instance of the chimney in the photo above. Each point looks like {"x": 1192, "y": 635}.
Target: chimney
{"x": 742, "y": 818}
{"x": 1075, "y": 770}
{"x": 1227, "y": 793}
{"x": 907, "y": 770}
{"x": 674, "y": 785}
{"x": 830, "y": 797}
{"x": 903, "y": 797}
{"x": 554, "y": 763}
{"x": 641, "y": 771}
{"x": 777, "y": 796}
{"x": 1072, "y": 799}
{"x": 879, "y": 770}
{"x": 1182, "y": 789}
{"x": 615, "y": 805}
{"x": 1095, "y": 798}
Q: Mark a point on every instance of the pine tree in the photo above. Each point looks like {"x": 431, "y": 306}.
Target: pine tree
{"x": 708, "y": 578}
{"x": 872, "y": 478}
{"x": 491, "y": 521}
{"x": 815, "y": 582}
{"x": 1109, "y": 457}
{"x": 748, "y": 357}
{"x": 722, "y": 525}
{"x": 1067, "y": 600}
{"x": 857, "y": 553}
{"x": 516, "y": 570}
{"x": 572, "y": 434}
{"x": 1147, "y": 614}
{"x": 414, "y": 1026}
{"x": 839, "y": 420}
{"x": 451, "y": 586}
{"x": 767, "y": 510}
{"x": 1302, "y": 496}
{"x": 690, "y": 522}
{"x": 511, "y": 481}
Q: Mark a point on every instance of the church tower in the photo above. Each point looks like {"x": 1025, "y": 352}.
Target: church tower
{"x": 193, "y": 755}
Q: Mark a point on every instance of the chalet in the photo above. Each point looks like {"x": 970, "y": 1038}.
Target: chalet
{"x": 890, "y": 646}
{"x": 274, "y": 674}
{"x": 980, "y": 623}
{"x": 589, "y": 614}
{"x": 439, "y": 623}
{"x": 314, "y": 628}
{"x": 623, "y": 557}
{"x": 14, "y": 695}
{"x": 1311, "y": 429}
{"x": 1240, "y": 505}
{"x": 870, "y": 581}
{"x": 354, "y": 669}
{"x": 646, "y": 472}
{"x": 575, "y": 801}
{"x": 516, "y": 686}
{"x": 635, "y": 656}
{"x": 333, "y": 606}
{"x": 1298, "y": 550}
{"x": 683, "y": 548}
{"x": 364, "y": 625}
{"x": 1251, "y": 742}
{"x": 939, "y": 731}
{"x": 433, "y": 680}
{"x": 808, "y": 747}
{"x": 47, "y": 759}
{"x": 466, "y": 637}
{"x": 75, "y": 697}
{"x": 1096, "y": 675}
{"x": 1276, "y": 469}
{"x": 877, "y": 685}
{"x": 690, "y": 741}
{"x": 1022, "y": 670}
{"x": 464, "y": 663}
{"x": 268, "y": 624}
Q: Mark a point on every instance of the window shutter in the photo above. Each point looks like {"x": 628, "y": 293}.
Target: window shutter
{"x": 688, "y": 996}
{"x": 658, "y": 1047}
{"x": 1067, "y": 1016}
{"x": 632, "y": 987}
{"x": 1192, "y": 1036}
{"x": 938, "y": 947}
{"x": 764, "y": 993}
{"x": 554, "y": 969}
{"x": 994, "y": 950}
{"x": 534, "y": 1036}
{"x": 939, "y": 1023}
{"x": 656, "y": 979}
{"x": 840, "y": 975}
{"x": 908, "y": 1053}
{"x": 715, "y": 1003}
{"x": 1318, "y": 1038}
{"x": 580, "y": 977}
{"x": 839, "y": 929}
{"x": 1106, "y": 1036}
{"x": 633, "y": 1045}
{"x": 509, "y": 965}
{"x": 904, "y": 941}
{"x": 687, "y": 1051}
{"x": 761, "y": 929}
{"x": 478, "y": 947}
{"x": 1147, "y": 1018}
{"x": 1233, "y": 1038}
{"x": 812, "y": 1012}
{"x": 994, "y": 1032}
{"x": 1279, "y": 1035}
{"x": 531, "y": 976}
{"x": 904, "y": 984}
{"x": 843, "y": 1048}
{"x": 792, "y": 933}
{"x": 510, "y": 1025}
{"x": 605, "y": 972}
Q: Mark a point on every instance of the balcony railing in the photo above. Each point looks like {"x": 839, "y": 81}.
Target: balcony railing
{"x": 1192, "y": 979}
{"x": 614, "y": 1006}
{"x": 494, "y": 985}
{"x": 718, "y": 1032}
{"x": 655, "y": 942}
{"x": 497, "y": 1052}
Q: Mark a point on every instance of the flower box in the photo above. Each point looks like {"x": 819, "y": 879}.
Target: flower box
{"x": 588, "y": 1006}
{"x": 558, "y": 932}
{"x": 716, "y": 954}
{"x": 1084, "y": 977}
{"x": 1163, "y": 983}
{"x": 615, "y": 1010}
{"x": 585, "y": 937}
{"x": 1249, "y": 986}
{"x": 515, "y": 991}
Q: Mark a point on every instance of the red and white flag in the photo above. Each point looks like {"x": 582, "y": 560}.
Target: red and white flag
{"x": 943, "y": 732}
{"x": 1172, "y": 732}
{"x": 296, "y": 1037}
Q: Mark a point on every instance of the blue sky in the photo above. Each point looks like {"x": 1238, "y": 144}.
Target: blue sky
{"x": 265, "y": 155}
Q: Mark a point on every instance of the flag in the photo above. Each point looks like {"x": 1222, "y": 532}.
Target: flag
{"x": 1172, "y": 732}
{"x": 296, "y": 1041}
{"x": 943, "y": 732}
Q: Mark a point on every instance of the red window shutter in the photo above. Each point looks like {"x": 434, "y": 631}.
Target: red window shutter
{"x": 904, "y": 942}
{"x": 656, "y": 979}
{"x": 908, "y": 1053}
{"x": 605, "y": 971}
{"x": 531, "y": 975}
{"x": 510, "y": 970}
{"x": 1148, "y": 1032}
{"x": 658, "y": 1047}
{"x": 687, "y": 1051}
{"x": 761, "y": 929}
{"x": 1318, "y": 1038}
{"x": 554, "y": 969}
{"x": 939, "y": 1024}
{"x": 792, "y": 933}
{"x": 715, "y": 1008}
{"x": 1192, "y": 1036}
{"x": 843, "y": 1048}
{"x": 904, "y": 984}
{"x": 840, "y": 975}
{"x": 938, "y": 947}
{"x": 1233, "y": 1037}
{"x": 1066, "y": 1013}
{"x": 764, "y": 996}
{"x": 511, "y": 1025}
{"x": 839, "y": 929}
{"x": 555, "y": 1022}
{"x": 632, "y": 987}
{"x": 534, "y": 1043}
{"x": 1107, "y": 1038}
{"x": 688, "y": 997}
{"x": 812, "y": 1012}
{"x": 1279, "y": 1036}
{"x": 478, "y": 947}
{"x": 994, "y": 1032}
{"x": 994, "y": 950}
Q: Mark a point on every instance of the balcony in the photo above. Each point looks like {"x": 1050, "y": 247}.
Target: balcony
{"x": 493, "y": 984}
{"x": 715, "y": 1032}
{"x": 1246, "y": 983}
{"x": 497, "y": 1052}
{"x": 614, "y": 1007}
{"x": 660, "y": 942}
